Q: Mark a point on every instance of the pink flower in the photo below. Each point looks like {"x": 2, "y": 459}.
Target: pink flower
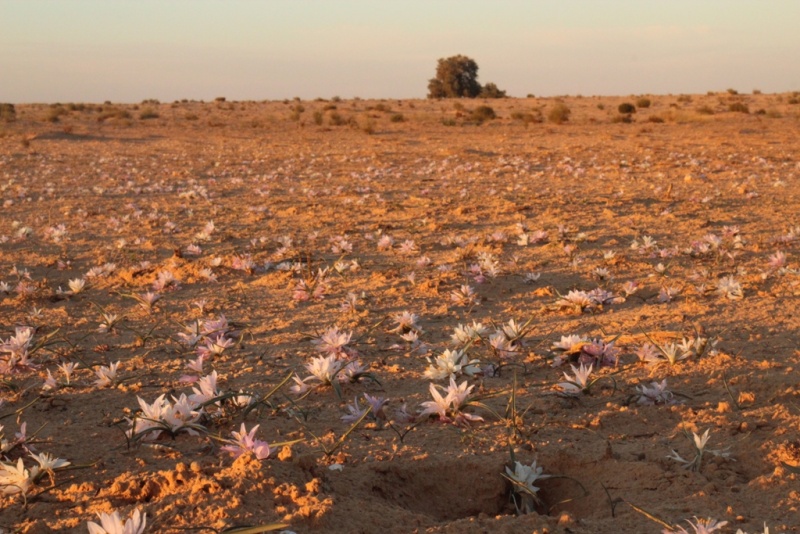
{"x": 245, "y": 442}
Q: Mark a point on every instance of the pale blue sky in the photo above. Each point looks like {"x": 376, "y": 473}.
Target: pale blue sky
{"x": 129, "y": 50}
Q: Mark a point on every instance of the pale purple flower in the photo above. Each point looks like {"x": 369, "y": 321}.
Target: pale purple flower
{"x": 245, "y": 442}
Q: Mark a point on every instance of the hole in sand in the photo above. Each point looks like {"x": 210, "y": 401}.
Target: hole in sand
{"x": 444, "y": 491}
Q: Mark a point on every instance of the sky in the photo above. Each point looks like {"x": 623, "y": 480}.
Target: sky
{"x": 131, "y": 50}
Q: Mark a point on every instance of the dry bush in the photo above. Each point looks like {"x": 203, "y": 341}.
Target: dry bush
{"x": 739, "y": 107}
{"x": 626, "y": 108}
{"x": 705, "y": 110}
{"x": 397, "y": 117}
{"x": 643, "y": 103}
{"x": 148, "y": 113}
{"x": 336, "y": 119}
{"x": 559, "y": 113}
{"x": 482, "y": 114}
{"x": 8, "y": 113}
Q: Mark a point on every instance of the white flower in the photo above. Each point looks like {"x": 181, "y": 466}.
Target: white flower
{"x": 728, "y": 287}
{"x": 527, "y": 475}
{"x": 106, "y": 375}
{"x": 324, "y": 368}
{"x": 450, "y": 363}
{"x": 16, "y": 479}
{"x": 77, "y": 285}
{"x": 579, "y": 383}
{"x": 206, "y": 389}
{"x": 657, "y": 393}
{"x": 700, "y": 526}
{"x": 438, "y": 405}
{"x": 112, "y": 524}
{"x": 48, "y": 464}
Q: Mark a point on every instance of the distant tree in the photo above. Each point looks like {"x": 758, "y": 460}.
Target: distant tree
{"x": 456, "y": 77}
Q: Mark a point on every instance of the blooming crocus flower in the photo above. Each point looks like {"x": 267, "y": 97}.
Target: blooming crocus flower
{"x": 700, "y": 526}
{"x": 50, "y": 383}
{"x": 579, "y": 383}
{"x": 463, "y": 335}
{"x": 106, "y": 375}
{"x": 728, "y": 287}
{"x": 657, "y": 393}
{"x": 112, "y": 524}
{"x": 354, "y": 412}
{"x": 245, "y": 442}
{"x": 206, "y": 389}
{"x": 332, "y": 341}
{"x": 324, "y": 368}
{"x": 438, "y": 405}
{"x": 48, "y": 464}
{"x": 405, "y": 322}
{"x": 450, "y": 363}
{"x": 16, "y": 478}
{"x": 527, "y": 475}
{"x": 300, "y": 386}
{"x": 77, "y": 285}
{"x": 777, "y": 261}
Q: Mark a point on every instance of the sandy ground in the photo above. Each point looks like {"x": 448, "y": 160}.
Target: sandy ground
{"x": 399, "y": 207}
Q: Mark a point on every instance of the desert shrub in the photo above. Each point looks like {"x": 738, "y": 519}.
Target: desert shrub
{"x": 705, "y": 110}
{"x": 626, "y": 108}
{"x": 219, "y": 99}
{"x": 298, "y": 108}
{"x": 774, "y": 114}
{"x": 601, "y": 106}
{"x": 761, "y": 112}
{"x": 756, "y": 91}
{"x": 622, "y": 118}
{"x": 733, "y": 92}
{"x": 335, "y": 119}
{"x": 527, "y": 118}
{"x": 148, "y": 113}
{"x": 191, "y": 117}
{"x": 113, "y": 113}
{"x": 530, "y": 95}
{"x": 447, "y": 121}
{"x": 482, "y": 114}
{"x": 458, "y": 106}
{"x": 55, "y": 112}
{"x": 151, "y": 101}
{"x": 559, "y": 113}
{"x": 336, "y": 99}
{"x": 318, "y": 116}
{"x": 491, "y": 90}
{"x": 397, "y": 117}
{"x": 383, "y": 108}
{"x": 739, "y": 107}
{"x": 8, "y": 113}
{"x": 329, "y": 107}
{"x": 643, "y": 102}
{"x": 685, "y": 99}
{"x": 793, "y": 100}
{"x": 655, "y": 119}
{"x": 76, "y": 107}
{"x": 365, "y": 124}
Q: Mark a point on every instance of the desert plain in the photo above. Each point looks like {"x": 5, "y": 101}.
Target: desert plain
{"x": 373, "y": 239}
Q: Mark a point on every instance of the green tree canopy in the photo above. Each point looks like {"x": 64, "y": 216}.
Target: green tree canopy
{"x": 457, "y": 77}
